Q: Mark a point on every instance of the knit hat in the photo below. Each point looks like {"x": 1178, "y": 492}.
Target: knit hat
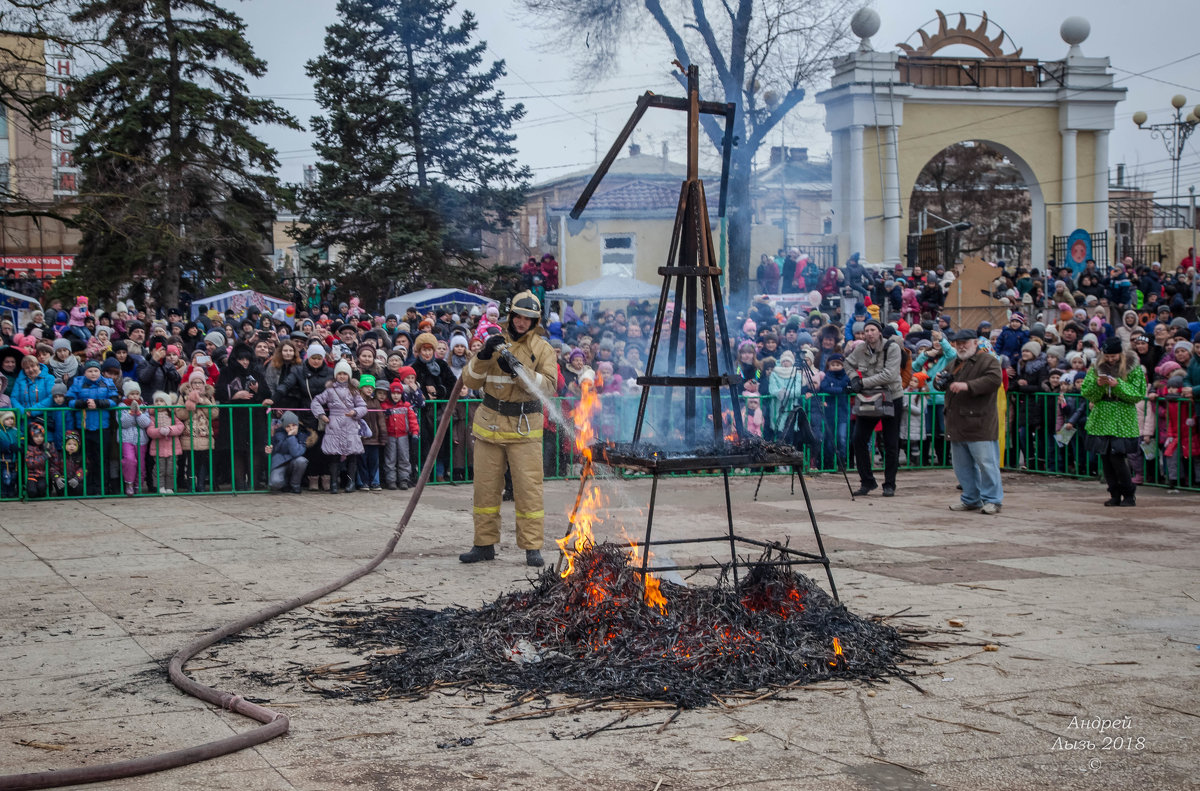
{"x": 111, "y": 364}
{"x": 58, "y": 389}
{"x": 577, "y": 352}
{"x": 342, "y": 367}
{"x": 1089, "y": 338}
{"x": 1033, "y": 347}
{"x": 1179, "y": 321}
{"x": 62, "y": 343}
{"x": 873, "y": 323}
{"x": 456, "y": 341}
{"x": 289, "y": 419}
{"x": 925, "y": 343}
{"x": 197, "y": 375}
{"x": 834, "y": 358}
{"x": 787, "y": 356}
{"x": 215, "y": 338}
{"x": 366, "y": 380}
{"x": 1113, "y": 345}
{"x": 424, "y": 339}
{"x": 1167, "y": 367}
{"x": 131, "y": 386}
{"x": 396, "y": 386}
{"x": 1181, "y": 345}
{"x": 1017, "y": 316}
{"x": 404, "y": 372}
{"x": 1176, "y": 380}
{"x": 1058, "y": 350}
{"x": 749, "y": 327}
{"x": 315, "y": 349}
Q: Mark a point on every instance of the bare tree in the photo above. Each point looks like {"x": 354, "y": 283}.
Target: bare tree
{"x": 972, "y": 182}
{"x": 758, "y": 54}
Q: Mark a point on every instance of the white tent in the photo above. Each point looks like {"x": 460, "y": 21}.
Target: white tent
{"x": 429, "y": 298}
{"x": 603, "y": 289}
{"x": 239, "y": 301}
{"x": 18, "y": 307}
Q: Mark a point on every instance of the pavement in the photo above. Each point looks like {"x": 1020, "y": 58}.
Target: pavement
{"x": 1095, "y": 613}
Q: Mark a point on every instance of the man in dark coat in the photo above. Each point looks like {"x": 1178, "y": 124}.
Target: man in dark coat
{"x": 973, "y": 424}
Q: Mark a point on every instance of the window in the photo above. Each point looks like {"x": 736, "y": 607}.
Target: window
{"x": 618, "y": 256}
{"x": 533, "y": 230}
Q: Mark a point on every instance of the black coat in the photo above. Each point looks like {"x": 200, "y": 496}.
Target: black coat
{"x": 247, "y": 423}
{"x": 298, "y": 388}
{"x": 157, "y": 376}
{"x": 434, "y": 373}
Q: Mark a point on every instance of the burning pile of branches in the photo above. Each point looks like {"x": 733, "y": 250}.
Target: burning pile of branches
{"x": 596, "y": 633}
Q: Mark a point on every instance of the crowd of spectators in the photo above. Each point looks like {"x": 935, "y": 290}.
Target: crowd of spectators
{"x": 336, "y": 398}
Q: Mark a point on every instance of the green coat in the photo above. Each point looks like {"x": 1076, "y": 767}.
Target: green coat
{"x": 1113, "y": 410}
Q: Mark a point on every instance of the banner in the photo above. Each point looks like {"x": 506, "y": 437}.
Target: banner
{"x": 43, "y": 265}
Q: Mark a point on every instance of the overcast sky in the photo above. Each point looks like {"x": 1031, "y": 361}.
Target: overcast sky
{"x": 1153, "y": 45}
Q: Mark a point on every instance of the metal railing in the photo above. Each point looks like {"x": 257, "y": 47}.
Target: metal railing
{"x": 222, "y": 447}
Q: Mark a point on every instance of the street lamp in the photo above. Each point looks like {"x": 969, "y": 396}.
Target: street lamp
{"x": 1174, "y": 134}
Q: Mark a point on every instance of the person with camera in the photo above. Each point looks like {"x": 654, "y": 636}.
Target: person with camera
{"x": 874, "y": 369}
{"x": 973, "y": 423}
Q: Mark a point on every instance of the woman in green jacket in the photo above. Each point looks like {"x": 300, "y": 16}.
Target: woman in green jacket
{"x": 1113, "y": 387}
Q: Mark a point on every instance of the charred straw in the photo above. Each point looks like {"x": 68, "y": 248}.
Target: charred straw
{"x": 590, "y": 635}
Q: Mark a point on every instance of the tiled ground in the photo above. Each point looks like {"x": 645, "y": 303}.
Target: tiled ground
{"x": 1095, "y": 612}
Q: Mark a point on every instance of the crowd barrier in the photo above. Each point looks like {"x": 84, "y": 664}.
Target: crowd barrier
{"x": 222, "y": 447}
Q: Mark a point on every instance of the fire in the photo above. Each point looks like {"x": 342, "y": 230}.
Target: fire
{"x": 587, "y": 510}
{"x": 730, "y": 427}
{"x": 838, "y": 657}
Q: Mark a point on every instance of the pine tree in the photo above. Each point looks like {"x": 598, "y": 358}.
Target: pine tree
{"x": 416, "y": 156}
{"x": 173, "y": 178}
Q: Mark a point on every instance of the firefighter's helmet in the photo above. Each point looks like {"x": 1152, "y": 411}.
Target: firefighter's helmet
{"x": 527, "y": 305}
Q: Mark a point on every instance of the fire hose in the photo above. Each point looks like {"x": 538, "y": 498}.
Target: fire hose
{"x": 273, "y": 723}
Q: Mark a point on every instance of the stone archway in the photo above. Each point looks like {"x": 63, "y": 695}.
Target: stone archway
{"x": 1024, "y": 171}
{"x": 890, "y": 113}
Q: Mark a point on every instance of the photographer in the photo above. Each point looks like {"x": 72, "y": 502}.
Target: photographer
{"x": 973, "y": 423}
{"x": 874, "y": 368}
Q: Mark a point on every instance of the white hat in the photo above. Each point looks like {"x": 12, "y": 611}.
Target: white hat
{"x": 342, "y": 367}
{"x": 315, "y": 348}
{"x": 131, "y": 386}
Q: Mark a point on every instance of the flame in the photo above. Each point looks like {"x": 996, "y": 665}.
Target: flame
{"x": 587, "y": 510}
{"x": 581, "y": 536}
{"x": 838, "y": 657}
{"x": 730, "y": 427}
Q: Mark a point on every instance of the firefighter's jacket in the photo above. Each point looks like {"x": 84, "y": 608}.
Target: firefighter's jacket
{"x": 525, "y": 423}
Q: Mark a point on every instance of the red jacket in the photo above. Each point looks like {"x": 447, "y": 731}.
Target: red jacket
{"x": 401, "y": 419}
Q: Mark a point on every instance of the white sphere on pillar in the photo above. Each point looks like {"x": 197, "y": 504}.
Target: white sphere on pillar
{"x": 864, "y": 24}
{"x": 1075, "y": 30}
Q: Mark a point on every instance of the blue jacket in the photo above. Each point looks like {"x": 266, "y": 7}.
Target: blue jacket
{"x": 285, "y": 449}
{"x": 1010, "y": 342}
{"x": 103, "y": 391}
{"x": 837, "y": 399}
{"x": 949, "y": 355}
{"x": 31, "y": 393}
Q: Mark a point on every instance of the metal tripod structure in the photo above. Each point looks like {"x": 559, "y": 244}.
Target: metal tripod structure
{"x": 692, "y": 270}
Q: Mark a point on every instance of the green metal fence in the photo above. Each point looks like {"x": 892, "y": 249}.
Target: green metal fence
{"x": 221, "y": 448}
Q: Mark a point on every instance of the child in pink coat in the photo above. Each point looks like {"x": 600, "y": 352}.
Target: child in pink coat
{"x": 165, "y": 430}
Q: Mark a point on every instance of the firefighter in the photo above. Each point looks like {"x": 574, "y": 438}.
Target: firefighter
{"x": 508, "y": 428}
